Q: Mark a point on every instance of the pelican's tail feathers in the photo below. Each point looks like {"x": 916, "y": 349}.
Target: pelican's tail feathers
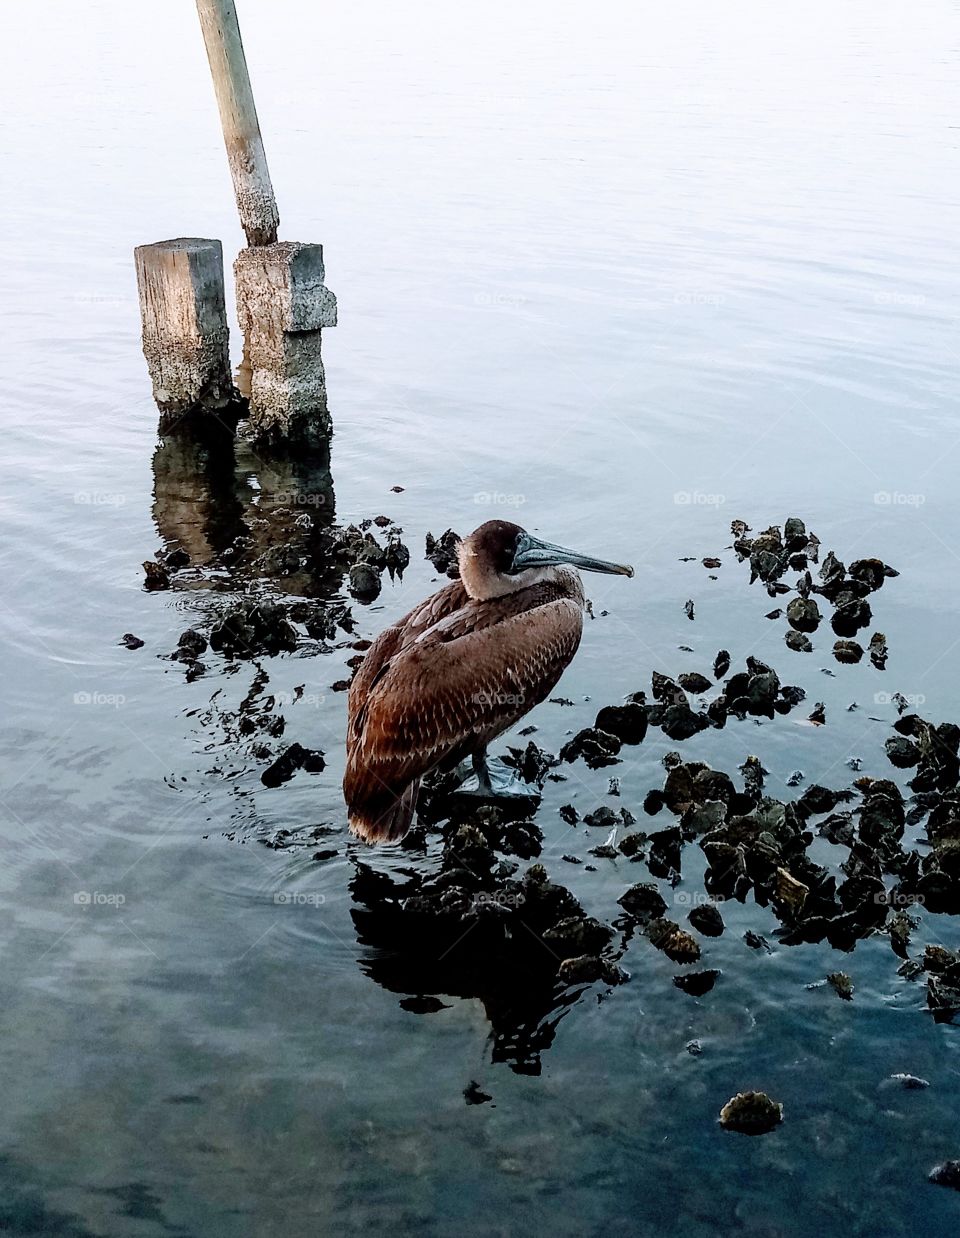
{"x": 386, "y": 818}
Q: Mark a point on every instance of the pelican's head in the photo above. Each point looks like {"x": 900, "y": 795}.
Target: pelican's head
{"x": 500, "y": 558}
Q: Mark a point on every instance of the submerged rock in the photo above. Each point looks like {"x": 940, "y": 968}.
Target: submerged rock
{"x": 841, "y": 984}
{"x": 803, "y": 614}
{"x": 697, "y": 983}
{"x": 286, "y": 765}
{"x": 751, "y": 1113}
{"x": 706, "y": 919}
{"x": 628, "y": 723}
{"x": 442, "y": 553}
{"x": 156, "y": 577}
{"x": 675, "y": 942}
{"x": 946, "y": 1174}
{"x": 643, "y": 902}
{"x": 596, "y": 747}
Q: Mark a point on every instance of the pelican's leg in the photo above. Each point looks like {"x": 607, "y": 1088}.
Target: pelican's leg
{"x": 494, "y": 780}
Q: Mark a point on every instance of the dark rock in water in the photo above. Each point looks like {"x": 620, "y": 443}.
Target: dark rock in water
{"x": 803, "y": 615}
{"x": 693, "y": 681}
{"x": 848, "y": 651}
{"x": 442, "y": 553}
{"x": 798, "y": 642}
{"x": 190, "y": 646}
{"x": 675, "y": 942}
{"x": 129, "y": 641}
{"x": 910, "y": 1083}
{"x": 578, "y": 935}
{"x": 156, "y": 577}
{"x": 653, "y": 802}
{"x": 751, "y": 1113}
{"x": 879, "y": 651}
{"x": 631, "y": 845}
{"x": 832, "y": 570}
{"x": 753, "y": 775}
{"x": 643, "y": 902}
{"x": 569, "y": 814}
{"x": 667, "y": 690}
{"x": 900, "y": 927}
{"x": 717, "y": 711}
{"x": 795, "y": 779}
{"x": 176, "y": 559}
{"x": 706, "y": 919}
{"x": 286, "y": 765}
{"x": 901, "y": 752}
{"x": 946, "y": 1174}
{"x": 710, "y": 562}
{"x": 603, "y": 816}
{"x": 773, "y": 614}
{"x": 817, "y": 799}
{"x": 426, "y": 1005}
{"x": 841, "y": 984}
{"x": 756, "y": 942}
{"x": 613, "y": 787}
{"x": 721, "y": 664}
{"x": 663, "y": 858}
{"x": 679, "y": 722}
{"x": 254, "y": 628}
{"x": 870, "y": 572}
{"x": 364, "y": 581}
{"x": 762, "y": 688}
{"x": 583, "y": 969}
{"x": 819, "y": 714}
{"x": 688, "y": 607}
{"x": 794, "y": 533}
{"x": 531, "y": 763}
{"x": 792, "y": 695}
{"x": 396, "y": 558}
{"x": 697, "y": 983}
{"x": 472, "y": 1093}
{"x": 627, "y": 722}
{"x": 596, "y": 747}
{"x": 851, "y": 615}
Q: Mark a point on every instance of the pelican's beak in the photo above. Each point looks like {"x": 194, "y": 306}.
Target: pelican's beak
{"x": 531, "y": 552}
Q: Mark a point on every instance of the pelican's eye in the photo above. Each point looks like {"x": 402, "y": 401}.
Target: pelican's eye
{"x": 519, "y": 546}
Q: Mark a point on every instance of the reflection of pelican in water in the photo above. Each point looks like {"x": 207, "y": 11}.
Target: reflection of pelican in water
{"x": 459, "y": 670}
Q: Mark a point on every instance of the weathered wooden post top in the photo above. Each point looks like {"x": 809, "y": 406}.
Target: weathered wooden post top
{"x": 282, "y": 301}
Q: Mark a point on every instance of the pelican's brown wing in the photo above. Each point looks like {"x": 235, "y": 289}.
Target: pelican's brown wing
{"x": 447, "y": 693}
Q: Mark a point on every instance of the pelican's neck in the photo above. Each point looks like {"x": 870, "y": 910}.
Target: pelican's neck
{"x": 482, "y": 583}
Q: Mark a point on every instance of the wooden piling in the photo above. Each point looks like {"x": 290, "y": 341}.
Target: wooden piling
{"x": 238, "y": 116}
{"x": 184, "y": 324}
{"x": 282, "y": 306}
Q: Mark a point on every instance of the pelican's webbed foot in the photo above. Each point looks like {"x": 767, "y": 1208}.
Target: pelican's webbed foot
{"x": 492, "y": 780}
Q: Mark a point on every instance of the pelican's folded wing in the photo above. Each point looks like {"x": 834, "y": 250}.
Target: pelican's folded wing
{"x": 448, "y": 693}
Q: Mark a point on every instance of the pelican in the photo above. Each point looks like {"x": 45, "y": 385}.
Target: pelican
{"x": 459, "y": 670}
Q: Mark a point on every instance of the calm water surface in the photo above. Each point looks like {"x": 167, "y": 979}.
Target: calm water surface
{"x": 620, "y": 274}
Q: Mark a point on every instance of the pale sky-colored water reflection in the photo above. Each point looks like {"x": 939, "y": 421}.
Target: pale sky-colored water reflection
{"x": 621, "y": 274}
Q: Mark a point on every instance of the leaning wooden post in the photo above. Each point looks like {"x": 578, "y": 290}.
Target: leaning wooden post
{"x": 238, "y": 116}
{"x": 185, "y": 333}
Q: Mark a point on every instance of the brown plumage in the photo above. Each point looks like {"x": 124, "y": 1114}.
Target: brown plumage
{"x": 459, "y": 670}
